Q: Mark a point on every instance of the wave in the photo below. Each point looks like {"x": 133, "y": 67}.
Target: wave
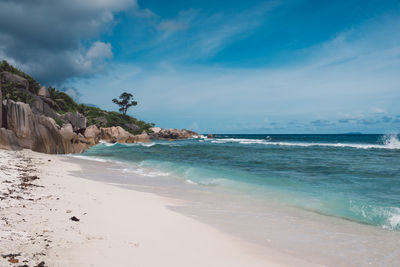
{"x": 190, "y": 182}
{"x": 389, "y": 142}
{"x": 387, "y": 217}
{"x": 107, "y": 143}
{"x": 145, "y": 172}
{"x": 139, "y": 144}
{"x": 88, "y": 158}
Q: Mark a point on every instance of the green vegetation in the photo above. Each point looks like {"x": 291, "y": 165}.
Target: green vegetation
{"x": 96, "y": 116}
{"x": 102, "y": 118}
{"x": 60, "y": 122}
{"x": 63, "y": 103}
{"x": 125, "y": 103}
{"x": 33, "y": 85}
{"x": 9, "y": 91}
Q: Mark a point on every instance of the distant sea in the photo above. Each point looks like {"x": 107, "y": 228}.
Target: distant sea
{"x": 350, "y": 176}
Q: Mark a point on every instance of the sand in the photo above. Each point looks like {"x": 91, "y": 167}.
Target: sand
{"x": 116, "y": 227}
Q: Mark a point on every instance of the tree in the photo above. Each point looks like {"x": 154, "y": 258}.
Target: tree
{"x": 125, "y": 103}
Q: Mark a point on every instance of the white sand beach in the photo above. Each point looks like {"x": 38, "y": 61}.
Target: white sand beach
{"x": 116, "y": 227}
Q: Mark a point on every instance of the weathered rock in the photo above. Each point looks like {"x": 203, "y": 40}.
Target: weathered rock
{"x": 1, "y": 108}
{"x": 172, "y": 134}
{"x": 115, "y": 134}
{"x": 48, "y": 138}
{"x": 67, "y": 132}
{"x": 17, "y": 81}
{"x": 100, "y": 121}
{"x": 210, "y": 136}
{"x": 43, "y": 92}
{"x": 155, "y": 129}
{"x": 77, "y": 120}
{"x": 79, "y": 144}
{"x": 20, "y": 120}
{"x": 186, "y": 134}
{"x": 40, "y": 133}
{"x": 92, "y": 134}
{"x": 132, "y": 126}
{"x": 140, "y": 138}
{"x": 8, "y": 140}
{"x": 43, "y": 106}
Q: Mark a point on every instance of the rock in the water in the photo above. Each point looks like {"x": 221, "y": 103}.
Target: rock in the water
{"x": 8, "y": 140}
{"x": 115, "y": 134}
{"x": 79, "y": 144}
{"x": 172, "y": 134}
{"x": 77, "y": 120}
{"x": 141, "y": 138}
{"x": 210, "y": 136}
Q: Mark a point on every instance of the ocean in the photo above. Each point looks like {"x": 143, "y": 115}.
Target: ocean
{"x": 355, "y": 177}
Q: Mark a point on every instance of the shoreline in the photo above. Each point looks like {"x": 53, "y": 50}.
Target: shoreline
{"x": 116, "y": 227}
{"x": 302, "y": 234}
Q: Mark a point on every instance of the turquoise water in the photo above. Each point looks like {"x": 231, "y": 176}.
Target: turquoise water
{"x": 356, "y": 177}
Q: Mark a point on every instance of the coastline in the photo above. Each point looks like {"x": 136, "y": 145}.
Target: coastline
{"x": 313, "y": 237}
{"x": 116, "y": 227}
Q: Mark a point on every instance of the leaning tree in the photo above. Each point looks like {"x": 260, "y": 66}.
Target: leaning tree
{"x": 126, "y": 101}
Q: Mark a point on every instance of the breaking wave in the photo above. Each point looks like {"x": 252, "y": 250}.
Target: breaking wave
{"x": 386, "y": 217}
{"x": 388, "y": 142}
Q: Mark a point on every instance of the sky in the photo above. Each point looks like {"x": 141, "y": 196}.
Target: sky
{"x": 281, "y": 66}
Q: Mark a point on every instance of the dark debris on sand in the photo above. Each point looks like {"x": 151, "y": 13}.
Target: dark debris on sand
{"x": 18, "y": 183}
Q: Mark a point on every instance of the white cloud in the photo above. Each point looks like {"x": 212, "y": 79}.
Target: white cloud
{"x": 338, "y": 80}
{"x": 48, "y": 38}
{"x": 99, "y": 50}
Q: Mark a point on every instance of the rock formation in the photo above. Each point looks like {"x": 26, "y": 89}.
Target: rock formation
{"x": 77, "y": 120}
{"x": 8, "y": 140}
{"x": 115, "y": 134}
{"x": 92, "y": 134}
{"x": 20, "y": 120}
{"x": 33, "y": 126}
{"x": 67, "y": 132}
{"x": 43, "y": 92}
{"x": 37, "y": 132}
{"x": 1, "y": 108}
{"x": 16, "y": 81}
{"x": 172, "y": 134}
{"x": 141, "y": 138}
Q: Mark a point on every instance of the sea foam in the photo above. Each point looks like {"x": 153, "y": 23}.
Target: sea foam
{"x": 389, "y": 142}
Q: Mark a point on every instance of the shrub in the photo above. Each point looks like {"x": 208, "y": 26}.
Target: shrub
{"x": 10, "y": 92}
{"x": 59, "y": 122}
{"x": 33, "y": 84}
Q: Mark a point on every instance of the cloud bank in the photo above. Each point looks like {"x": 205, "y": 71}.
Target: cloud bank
{"x": 62, "y": 36}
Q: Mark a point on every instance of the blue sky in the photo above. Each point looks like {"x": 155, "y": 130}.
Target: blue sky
{"x": 229, "y": 67}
